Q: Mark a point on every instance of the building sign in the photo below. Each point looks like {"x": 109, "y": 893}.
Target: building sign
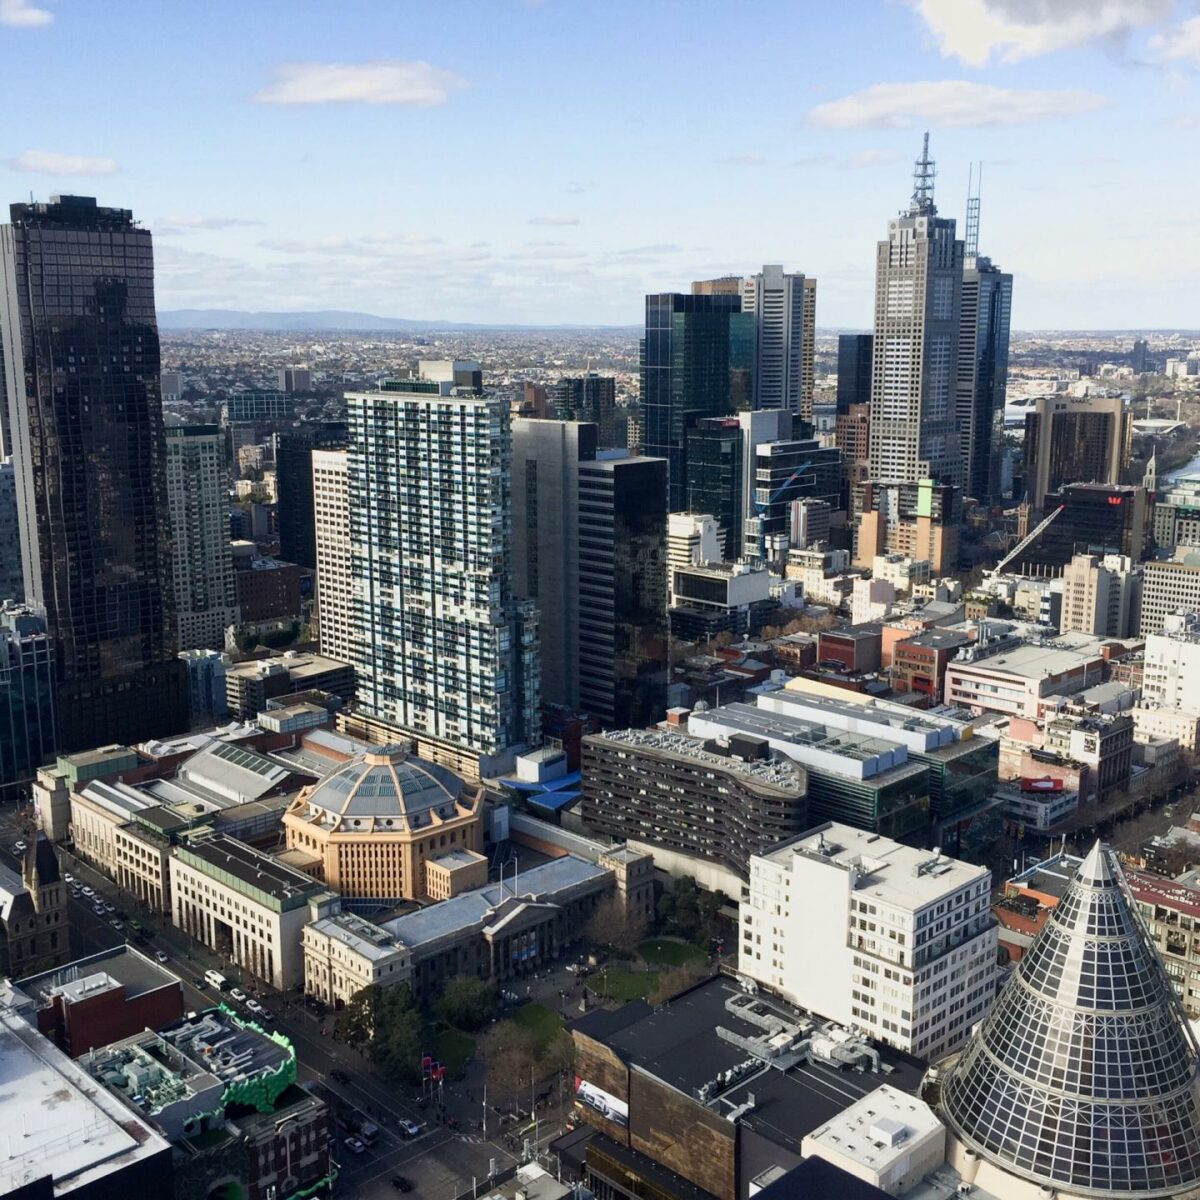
{"x": 599, "y": 1101}
{"x": 1045, "y": 784}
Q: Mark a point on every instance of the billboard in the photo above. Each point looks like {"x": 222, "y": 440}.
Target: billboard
{"x": 1045, "y": 784}
{"x": 603, "y": 1103}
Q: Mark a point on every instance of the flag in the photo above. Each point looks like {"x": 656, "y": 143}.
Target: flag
{"x": 426, "y": 1064}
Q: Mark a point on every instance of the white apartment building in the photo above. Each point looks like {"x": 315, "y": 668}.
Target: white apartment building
{"x": 904, "y": 938}
{"x": 1169, "y": 587}
{"x": 777, "y": 300}
{"x": 1171, "y": 665}
{"x": 331, "y": 523}
{"x": 692, "y": 540}
{"x": 201, "y": 558}
{"x": 1155, "y": 721}
{"x": 443, "y": 651}
{"x": 1101, "y": 595}
{"x": 345, "y": 953}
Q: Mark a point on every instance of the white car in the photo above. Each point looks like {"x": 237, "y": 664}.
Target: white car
{"x": 19, "y": 847}
{"x": 409, "y": 1128}
{"x": 352, "y": 1143}
{"x": 161, "y": 956}
{"x": 87, "y": 891}
{"x": 238, "y": 995}
{"x": 69, "y": 877}
{"x": 98, "y": 909}
{"x": 255, "y": 1007}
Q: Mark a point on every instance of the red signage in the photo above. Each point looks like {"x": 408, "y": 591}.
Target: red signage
{"x": 1115, "y": 499}
{"x": 1046, "y": 784}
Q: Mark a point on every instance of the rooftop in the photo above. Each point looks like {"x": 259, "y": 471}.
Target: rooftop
{"x": 121, "y": 966}
{"x": 877, "y": 1131}
{"x": 1031, "y": 660}
{"x": 250, "y": 871}
{"x": 360, "y": 935}
{"x": 887, "y": 870}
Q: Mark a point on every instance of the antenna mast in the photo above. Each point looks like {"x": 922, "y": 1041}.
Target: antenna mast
{"x": 924, "y": 174}
{"x": 971, "y": 248}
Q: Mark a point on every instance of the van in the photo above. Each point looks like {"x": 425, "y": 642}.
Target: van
{"x": 216, "y": 979}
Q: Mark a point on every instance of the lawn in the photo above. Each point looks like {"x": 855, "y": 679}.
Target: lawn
{"x": 622, "y": 984}
{"x": 670, "y": 954}
{"x": 453, "y": 1047}
{"x": 541, "y": 1021}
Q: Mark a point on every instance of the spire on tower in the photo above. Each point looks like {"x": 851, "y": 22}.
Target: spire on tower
{"x": 924, "y": 173}
{"x": 971, "y": 247}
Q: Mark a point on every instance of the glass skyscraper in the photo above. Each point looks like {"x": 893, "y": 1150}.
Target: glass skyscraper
{"x": 697, "y": 361}
{"x": 82, "y": 369}
{"x": 715, "y": 482}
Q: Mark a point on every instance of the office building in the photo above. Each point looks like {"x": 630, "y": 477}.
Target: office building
{"x": 783, "y": 475}
{"x": 918, "y": 305}
{"x": 269, "y": 591}
{"x": 1096, "y": 518}
{"x": 257, "y": 408}
{"x": 1139, "y": 356}
{"x": 697, "y": 360}
{"x": 460, "y": 375}
{"x": 1176, "y": 513}
{"x": 385, "y": 825}
{"x": 589, "y": 530}
{"x": 919, "y": 520}
{"x": 1169, "y": 586}
{"x": 808, "y": 346}
{"x": 852, "y": 437}
{"x": 331, "y": 529}
{"x": 981, "y": 378}
{"x": 672, "y": 796}
{"x": 250, "y": 684}
{"x": 12, "y": 583}
{"x": 1101, "y": 596}
{"x": 718, "y": 598}
{"x": 201, "y": 557}
{"x": 293, "y": 379}
{"x": 724, "y": 285}
{"x": 91, "y": 476}
{"x": 294, "y": 449}
{"x": 715, "y": 482}
{"x": 1171, "y": 663}
{"x": 905, "y": 938}
{"x": 171, "y": 383}
{"x": 445, "y": 653}
{"x": 693, "y": 539}
{"x": 207, "y": 700}
{"x": 777, "y": 302}
{"x": 589, "y": 397}
{"x": 1053, "y": 1091}
{"x": 1074, "y": 439}
{"x": 854, "y": 358}
{"x": 27, "y": 696}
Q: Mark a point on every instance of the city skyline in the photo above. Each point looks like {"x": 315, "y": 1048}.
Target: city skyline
{"x": 544, "y": 202}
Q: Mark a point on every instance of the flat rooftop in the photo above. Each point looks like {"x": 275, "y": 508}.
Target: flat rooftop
{"x": 372, "y": 941}
{"x": 678, "y": 1043}
{"x": 215, "y": 1041}
{"x": 1030, "y": 661}
{"x": 877, "y": 1131}
{"x": 69, "y": 1128}
{"x": 122, "y": 966}
{"x": 1051, "y": 877}
{"x": 256, "y": 872}
{"x": 892, "y": 872}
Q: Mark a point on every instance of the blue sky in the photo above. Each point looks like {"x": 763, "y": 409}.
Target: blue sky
{"x": 511, "y": 161}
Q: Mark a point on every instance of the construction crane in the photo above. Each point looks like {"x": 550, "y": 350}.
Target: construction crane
{"x": 761, "y": 507}
{"x": 1032, "y": 536}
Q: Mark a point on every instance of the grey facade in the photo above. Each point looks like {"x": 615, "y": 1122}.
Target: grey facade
{"x": 918, "y": 304}
{"x": 27, "y": 735}
{"x": 294, "y": 484}
{"x": 777, "y": 300}
{"x": 82, "y": 374}
{"x": 589, "y": 397}
{"x": 12, "y": 584}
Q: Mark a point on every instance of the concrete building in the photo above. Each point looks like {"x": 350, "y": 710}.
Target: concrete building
{"x": 208, "y": 700}
{"x": 674, "y": 797}
{"x": 919, "y": 662}
{"x": 589, "y": 397}
{"x": 1171, "y": 910}
{"x": 718, "y": 597}
{"x": 1074, "y": 439}
{"x": 12, "y": 583}
{"x": 201, "y": 558}
{"x": 1171, "y": 662}
{"x": 250, "y": 684}
{"x": 1168, "y": 587}
{"x": 34, "y": 929}
{"x": 245, "y": 905}
{"x": 871, "y": 600}
{"x": 918, "y": 307}
{"x": 1101, "y": 596}
{"x": 1176, "y": 513}
{"x": 380, "y": 821}
{"x": 294, "y": 448}
{"x": 905, "y": 938}
{"x": 344, "y": 953}
{"x": 331, "y": 525}
{"x": 692, "y": 540}
{"x": 27, "y": 695}
{"x": 1183, "y": 725}
{"x": 461, "y": 374}
{"x": 777, "y": 301}
{"x": 920, "y": 520}
{"x": 293, "y": 379}
{"x": 445, "y": 652}
{"x": 268, "y": 589}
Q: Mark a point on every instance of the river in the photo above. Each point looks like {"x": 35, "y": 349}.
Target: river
{"x": 1191, "y": 467}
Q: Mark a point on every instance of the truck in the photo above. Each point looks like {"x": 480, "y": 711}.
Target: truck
{"x": 216, "y": 979}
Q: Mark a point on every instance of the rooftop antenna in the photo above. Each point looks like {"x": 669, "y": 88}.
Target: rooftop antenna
{"x": 971, "y": 249}
{"x": 924, "y": 173}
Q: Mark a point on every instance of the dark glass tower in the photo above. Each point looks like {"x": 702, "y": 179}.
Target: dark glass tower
{"x": 82, "y": 376}
{"x": 294, "y": 485}
{"x": 697, "y": 361}
{"x": 714, "y": 477}
{"x": 589, "y": 397}
{"x": 854, "y": 369}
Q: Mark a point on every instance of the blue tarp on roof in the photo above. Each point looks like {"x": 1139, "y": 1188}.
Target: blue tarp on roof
{"x": 570, "y": 780}
{"x": 553, "y": 801}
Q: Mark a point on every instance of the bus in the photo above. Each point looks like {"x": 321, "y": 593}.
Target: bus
{"x": 216, "y": 979}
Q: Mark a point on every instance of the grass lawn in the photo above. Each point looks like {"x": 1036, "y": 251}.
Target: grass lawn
{"x": 541, "y": 1021}
{"x": 670, "y": 954}
{"x": 453, "y": 1047}
{"x": 622, "y": 984}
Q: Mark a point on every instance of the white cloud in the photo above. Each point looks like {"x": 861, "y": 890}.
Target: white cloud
{"x": 554, "y": 219}
{"x": 1181, "y": 44}
{"x": 743, "y": 160}
{"x": 185, "y": 224}
{"x": 23, "y": 15}
{"x": 387, "y": 81}
{"x": 976, "y": 31}
{"x": 47, "y": 162}
{"x": 948, "y": 103}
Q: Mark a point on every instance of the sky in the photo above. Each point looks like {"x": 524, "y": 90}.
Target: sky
{"x": 551, "y": 161}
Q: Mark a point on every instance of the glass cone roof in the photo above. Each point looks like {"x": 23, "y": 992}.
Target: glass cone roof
{"x": 1084, "y": 1075}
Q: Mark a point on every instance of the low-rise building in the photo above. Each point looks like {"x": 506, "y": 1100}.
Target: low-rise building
{"x": 904, "y": 938}
{"x": 919, "y": 662}
{"x": 34, "y": 932}
{"x": 249, "y": 685}
{"x": 344, "y": 953}
{"x": 1037, "y": 804}
{"x": 1171, "y": 910}
{"x": 855, "y": 648}
{"x": 718, "y": 598}
{"x": 247, "y": 906}
{"x": 1155, "y": 720}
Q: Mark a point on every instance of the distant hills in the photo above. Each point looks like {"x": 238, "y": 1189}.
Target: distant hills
{"x": 326, "y": 321}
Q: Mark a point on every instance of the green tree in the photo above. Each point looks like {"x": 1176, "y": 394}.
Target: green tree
{"x": 615, "y": 928}
{"x": 356, "y": 1023}
{"x": 466, "y": 1003}
{"x": 402, "y": 1038}
{"x": 690, "y": 912}
{"x": 511, "y": 1056}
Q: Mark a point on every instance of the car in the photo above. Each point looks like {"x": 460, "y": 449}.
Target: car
{"x": 98, "y": 909}
{"x": 87, "y": 891}
{"x": 339, "y": 1076}
{"x": 401, "y": 1184}
{"x": 68, "y": 877}
{"x": 19, "y": 847}
{"x": 352, "y": 1143}
{"x": 409, "y": 1128}
{"x": 238, "y": 995}
{"x": 161, "y": 956}
{"x": 200, "y": 983}
{"x": 117, "y": 924}
{"x": 255, "y": 1007}
{"x": 110, "y": 908}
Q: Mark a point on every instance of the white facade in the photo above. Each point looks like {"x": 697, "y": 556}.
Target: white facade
{"x": 692, "y": 539}
{"x": 442, "y": 648}
{"x": 331, "y": 522}
{"x": 777, "y": 300}
{"x": 345, "y": 953}
{"x": 104, "y": 834}
{"x": 904, "y": 938}
{"x": 1171, "y": 667}
{"x": 871, "y": 600}
{"x": 201, "y": 558}
{"x": 1169, "y": 587}
{"x": 1154, "y": 721}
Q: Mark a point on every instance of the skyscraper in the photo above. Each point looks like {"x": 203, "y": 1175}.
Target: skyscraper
{"x": 918, "y": 298}
{"x": 294, "y": 485}
{"x": 12, "y": 586}
{"x": 335, "y": 581}
{"x": 715, "y": 480}
{"x": 81, "y": 363}
{"x": 982, "y": 377}
{"x": 1071, "y": 439}
{"x": 443, "y": 652}
{"x": 205, "y": 594}
{"x": 697, "y": 361}
{"x": 854, "y": 370}
{"x": 589, "y": 550}
{"x": 589, "y": 397}
{"x": 778, "y": 301}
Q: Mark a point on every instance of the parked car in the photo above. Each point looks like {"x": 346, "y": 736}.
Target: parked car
{"x": 255, "y": 1007}
{"x": 238, "y": 995}
{"x": 352, "y": 1143}
{"x": 401, "y": 1184}
{"x": 116, "y": 924}
{"x": 98, "y": 909}
{"x": 87, "y": 891}
{"x": 109, "y": 908}
{"x": 68, "y": 877}
{"x": 19, "y": 847}
{"x": 409, "y": 1128}
{"x": 161, "y": 955}
{"x": 200, "y": 983}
